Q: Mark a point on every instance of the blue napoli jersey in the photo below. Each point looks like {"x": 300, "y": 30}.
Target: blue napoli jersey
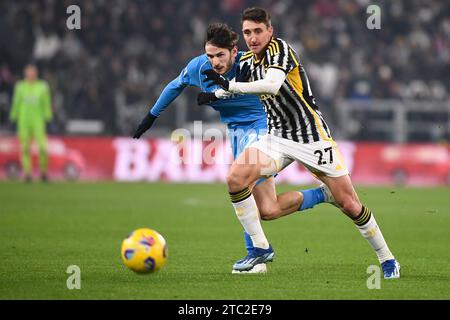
{"x": 239, "y": 108}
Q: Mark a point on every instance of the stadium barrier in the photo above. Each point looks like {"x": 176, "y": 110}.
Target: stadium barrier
{"x": 197, "y": 161}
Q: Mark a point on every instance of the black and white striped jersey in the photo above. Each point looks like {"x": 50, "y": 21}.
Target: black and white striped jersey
{"x": 292, "y": 113}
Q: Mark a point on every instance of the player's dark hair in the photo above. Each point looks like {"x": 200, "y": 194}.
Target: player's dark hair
{"x": 256, "y": 14}
{"x": 31, "y": 64}
{"x": 221, "y": 36}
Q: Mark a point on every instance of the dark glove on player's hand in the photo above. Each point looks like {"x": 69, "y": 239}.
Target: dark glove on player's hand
{"x": 216, "y": 79}
{"x": 206, "y": 97}
{"x": 145, "y": 124}
{"x": 243, "y": 74}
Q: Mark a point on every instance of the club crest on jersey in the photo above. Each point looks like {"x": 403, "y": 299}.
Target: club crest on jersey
{"x": 266, "y": 96}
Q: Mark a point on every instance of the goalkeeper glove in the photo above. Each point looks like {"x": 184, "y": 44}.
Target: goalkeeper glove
{"x": 145, "y": 124}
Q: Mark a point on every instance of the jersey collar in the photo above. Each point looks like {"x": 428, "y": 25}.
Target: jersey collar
{"x": 255, "y": 58}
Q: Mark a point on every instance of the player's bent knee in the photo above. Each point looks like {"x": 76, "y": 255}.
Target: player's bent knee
{"x": 240, "y": 177}
{"x": 236, "y": 181}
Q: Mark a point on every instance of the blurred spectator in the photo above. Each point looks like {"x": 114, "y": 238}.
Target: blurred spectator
{"x": 126, "y": 50}
{"x": 46, "y": 45}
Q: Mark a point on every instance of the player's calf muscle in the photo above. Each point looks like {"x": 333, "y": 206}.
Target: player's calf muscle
{"x": 351, "y": 207}
{"x": 284, "y": 204}
{"x": 344, "y": 194}
{"x": 270, "y": 212}
{"x": 349, "y": 202}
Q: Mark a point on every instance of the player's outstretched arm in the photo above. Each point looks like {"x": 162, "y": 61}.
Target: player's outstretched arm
{"x": 145, "y": 124}
{"x": 271, "y": 84}
{"x": 169, "y": 94}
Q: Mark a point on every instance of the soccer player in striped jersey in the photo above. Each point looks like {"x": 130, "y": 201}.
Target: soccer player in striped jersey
{"x": 297, "y": 131}
{"x": 243, "y": 114}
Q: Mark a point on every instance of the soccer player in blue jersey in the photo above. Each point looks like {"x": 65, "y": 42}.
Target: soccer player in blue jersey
{"x": 243, "y": 114}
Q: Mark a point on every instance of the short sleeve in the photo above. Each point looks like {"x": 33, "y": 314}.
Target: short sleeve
{"x": 281, "y": 56}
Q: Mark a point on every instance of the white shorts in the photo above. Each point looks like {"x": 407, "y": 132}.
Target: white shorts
{"x": 320, "y": 158}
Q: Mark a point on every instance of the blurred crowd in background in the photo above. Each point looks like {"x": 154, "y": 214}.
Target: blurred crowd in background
{"x": 127, "y": 51}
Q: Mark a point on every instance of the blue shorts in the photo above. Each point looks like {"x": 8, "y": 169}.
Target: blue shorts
{"x": 243, "y": 134}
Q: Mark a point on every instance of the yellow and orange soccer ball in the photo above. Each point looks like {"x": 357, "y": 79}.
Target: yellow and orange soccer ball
{"x": 144, "y": 251}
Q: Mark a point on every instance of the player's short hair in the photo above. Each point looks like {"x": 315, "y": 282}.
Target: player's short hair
{"x": 256, "y": 14}
{"x": 221, "y": 36}
{"x": 30, "y": 65}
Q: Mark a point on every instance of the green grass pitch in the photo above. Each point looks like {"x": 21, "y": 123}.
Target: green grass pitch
{"x": 319, "y": 253}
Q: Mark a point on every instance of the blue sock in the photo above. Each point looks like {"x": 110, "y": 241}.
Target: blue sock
{"x": 311, "y": 197}
{"x": 248, "y": 242}
{"x": 259, "y": 181}
{"x": 263, "y": 179}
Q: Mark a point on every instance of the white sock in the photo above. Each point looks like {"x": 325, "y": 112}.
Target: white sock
{"x": 247, "y": 212}
{"x": 369, "y": 229}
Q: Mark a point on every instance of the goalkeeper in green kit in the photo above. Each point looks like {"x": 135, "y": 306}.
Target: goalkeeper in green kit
{"x": 31, "y": 110}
